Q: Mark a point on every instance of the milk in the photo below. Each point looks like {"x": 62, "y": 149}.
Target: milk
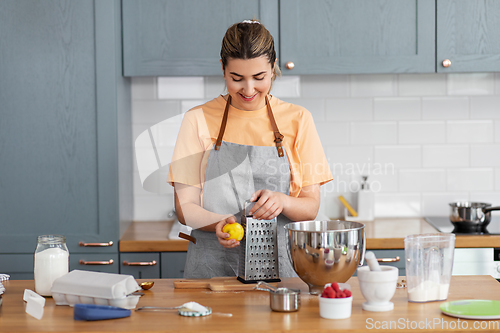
{"x": 428, "y": 291}
{"x": 50, "y": 264}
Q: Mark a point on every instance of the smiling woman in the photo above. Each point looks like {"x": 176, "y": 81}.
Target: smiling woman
{"x": 224, "y": 149}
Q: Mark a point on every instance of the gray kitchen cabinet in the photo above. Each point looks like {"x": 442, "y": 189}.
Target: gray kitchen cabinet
{"x": 391, "y": 257}
{"x": 65, "y": 130}
{"x": 468, "y": 34}
{"x": 180, "y": 38}
{"x": 172, "y": 264}
{"x": 142, "y": 265}
{"x": 357, "y": 36}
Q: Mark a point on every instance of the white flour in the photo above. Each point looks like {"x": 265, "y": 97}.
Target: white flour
{"x": 49, "y": 265}
{"x": 428, "y": 291}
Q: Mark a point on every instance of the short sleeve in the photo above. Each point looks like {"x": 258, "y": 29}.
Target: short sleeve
{"x": 314, "y": 168}
{"x": 188, "y": 153}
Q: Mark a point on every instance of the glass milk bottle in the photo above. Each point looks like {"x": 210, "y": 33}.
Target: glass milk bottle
{"x": 51, "y": 262}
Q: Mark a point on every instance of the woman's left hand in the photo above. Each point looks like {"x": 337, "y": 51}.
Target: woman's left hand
{"x": 268, "y": 204}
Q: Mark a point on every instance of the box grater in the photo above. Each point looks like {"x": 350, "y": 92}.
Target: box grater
{"x": 258, "y": 260}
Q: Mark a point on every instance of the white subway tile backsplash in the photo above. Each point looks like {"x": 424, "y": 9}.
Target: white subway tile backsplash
{"x": 471, "y": 84}
{"x": 485, "y": 155}
{"x": 397, "y": 108}
{"x": 424, "y": 140}
{"x": 348, "y": 159}
{"x": 411, "y": 132}
{"x": 399, "y": 156}
{"x": 422, "y": 180}
{"x": 469, "y": 131}
{"x": 470, "y": 179}
{"x": 497, "y": 130}
{"x": 445, "y": 108}
{"x": 181, "y": 87}
{"x": 422, "y": 84}
{"x": 485, "y": 107}
{"x": 286, "y": 86}
{"x": 397, "y": 205}
{"x": 365, "y": 133}
{"x": 443, "y": 156}
{"x": 314, "y": 105}
{"x": 374, "y": 85}
{"x": 343, "y": 109}
{"x": 324, "y": 86}
{"x": 383, "y": 180}
{"x": 143, "y": 87}
{"x": 214, "y": 86}
{"x": 497, "y": 83}
{"x": 333, "y": 133}
{"x": 153, "y": 208}
{"x": 150, "y": 112}
{"x": 187, "y": 105}
{"x": 437, "y": 204}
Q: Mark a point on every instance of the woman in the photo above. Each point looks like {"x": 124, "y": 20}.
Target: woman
{"x": 245, "y": 145}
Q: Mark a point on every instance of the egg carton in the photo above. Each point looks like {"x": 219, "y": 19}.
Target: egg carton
{"x": 87, "y": 287}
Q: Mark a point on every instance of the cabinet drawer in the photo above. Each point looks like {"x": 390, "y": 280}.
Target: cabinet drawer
{"x": 98, "y": 262}
{"x": 141, "y": 265}
{"x": 18, "y": 266}
{"x": 172, "y": 264}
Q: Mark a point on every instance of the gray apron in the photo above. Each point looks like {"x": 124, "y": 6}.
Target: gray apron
{"x": 233, "y": 173}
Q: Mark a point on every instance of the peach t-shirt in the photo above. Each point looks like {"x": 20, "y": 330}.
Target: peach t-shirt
{"x": 200, "y": 128}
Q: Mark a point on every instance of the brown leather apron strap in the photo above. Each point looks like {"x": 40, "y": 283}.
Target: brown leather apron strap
{"x": 223, "y": 124}
{"x": 278, "y": 137}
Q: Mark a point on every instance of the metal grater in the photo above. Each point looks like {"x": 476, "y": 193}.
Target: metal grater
{"x": 258, "y": 260}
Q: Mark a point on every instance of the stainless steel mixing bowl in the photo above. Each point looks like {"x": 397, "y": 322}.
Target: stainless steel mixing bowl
{"x": 322, "y": 252}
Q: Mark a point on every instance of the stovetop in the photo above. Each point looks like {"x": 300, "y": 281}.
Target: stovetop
{"x": 443, "y": 224}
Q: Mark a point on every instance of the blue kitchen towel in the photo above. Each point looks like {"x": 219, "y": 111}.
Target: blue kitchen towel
{"x": 99, "y": 312}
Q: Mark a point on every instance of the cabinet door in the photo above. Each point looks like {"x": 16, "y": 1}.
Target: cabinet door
{"x": 172, "y": 37}
{"x": 357, "y": 36}
{"x": 468, "y": 34}
{"x": 172, "y": 264}
{"x": 143, "y": 265}
{"x": 99, "y": 262}
{"x": 59, "y": 78}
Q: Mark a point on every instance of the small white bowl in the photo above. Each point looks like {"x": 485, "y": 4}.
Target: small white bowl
{"x": 335, "y": 308}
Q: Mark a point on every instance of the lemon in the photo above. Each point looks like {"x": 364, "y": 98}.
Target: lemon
{"x": 235, "y": 230}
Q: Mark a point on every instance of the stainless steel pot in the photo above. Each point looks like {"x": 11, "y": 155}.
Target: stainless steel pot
{"x": 281, "y": 299}
{"x": 465, "y": 214}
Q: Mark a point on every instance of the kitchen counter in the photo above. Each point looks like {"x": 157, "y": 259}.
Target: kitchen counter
{"x": 380, "y": 234}
{"x": 251, "y": 311}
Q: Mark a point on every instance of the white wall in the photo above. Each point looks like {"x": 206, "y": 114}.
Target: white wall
{"x": 424, "y": 139}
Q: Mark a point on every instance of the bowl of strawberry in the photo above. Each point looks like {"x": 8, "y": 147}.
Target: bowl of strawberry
{"x": 335, "y": 302}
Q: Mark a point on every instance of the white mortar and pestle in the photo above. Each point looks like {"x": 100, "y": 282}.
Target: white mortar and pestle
{"x": 377, "y": 284}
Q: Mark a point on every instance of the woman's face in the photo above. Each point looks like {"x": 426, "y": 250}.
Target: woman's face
{"x": 248, "y": 82}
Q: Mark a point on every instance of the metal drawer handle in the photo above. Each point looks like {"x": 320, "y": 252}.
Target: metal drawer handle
{"x": 388, "y": 259}
{"x": 139, "y": 263}
{"x": 110, "y": 243}
{"x": 104, "y": 262}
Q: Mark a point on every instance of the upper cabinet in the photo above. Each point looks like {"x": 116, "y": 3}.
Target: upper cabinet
{"x": 178, "y": 38}
{"x": 357, "y": 36}
{"x": 172, "y": 37}
{"x": 468, "y": 35}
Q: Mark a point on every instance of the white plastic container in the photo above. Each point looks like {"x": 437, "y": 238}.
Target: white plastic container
{"x": 88, "y": 287}
{"x": 336, "y": 308}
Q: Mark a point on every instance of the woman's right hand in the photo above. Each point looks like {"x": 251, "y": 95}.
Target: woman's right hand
{"x": 221, "y": 236}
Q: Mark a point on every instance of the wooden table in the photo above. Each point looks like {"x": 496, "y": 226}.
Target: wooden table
{"x": 251, "y": 312}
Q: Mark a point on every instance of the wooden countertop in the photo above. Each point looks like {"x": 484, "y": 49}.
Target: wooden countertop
{"x": 251, "y": 311}
{"x": 380, "y": 234}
